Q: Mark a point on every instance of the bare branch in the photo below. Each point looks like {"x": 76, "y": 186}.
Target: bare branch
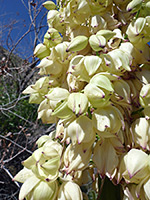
{"x": 10, "y": 175}
{"x": 24, "y": 148}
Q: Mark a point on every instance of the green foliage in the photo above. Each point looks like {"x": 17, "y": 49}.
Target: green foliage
{"x": 9, "y": 116}
{"x": 110, "y": 191}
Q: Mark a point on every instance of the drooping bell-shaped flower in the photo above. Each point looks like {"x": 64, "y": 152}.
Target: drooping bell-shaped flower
{"x": 77, "y": 68}
{"x": 42, "y": 140}
{"x": 134, "y": 54}
{"x": 52, "y": 38}
{"x": 41, "y": 51}
{"x": 141, "y": 133}
{"x": 78, "y": 103}
{"x": 117, "y": 61}
{"x": 45, "y": 110}
{"x": 92, "y": 64}
{"x": 105, "y": 149}
{"x": 138, "y": 31}
{"x": 102, "y": 81}
{"x": 74, "y": 84}
{"x": 76, "y": 157}
{"x": 122, "y": 93}
{"x": 96, "y": 96}
{"x": 133, "y": 166}
{"x": 35, "y": 188}
{"x": 46, "y": 140}
{"x": 80, "y": 130}
{"x": 48, "y": 66}
{"x": 38, "y": 90}
{"x": 69, "y": 191}
{"x": 44, "y": 163}
{"x": 97, "y": 23}
{"x": 62, "y": 110}
{"x": 115, "y": 41}
{"x": 56, "y": 99}
{"x": 57, "y": 94}
{"x": 99, "y": 90}
{"x": 60, "y": 98}
{"x": 55, "y": 20}
{"x": 84, "y": 68}
{"x": 62, "y": 55}
{"x": 107, "y": 119}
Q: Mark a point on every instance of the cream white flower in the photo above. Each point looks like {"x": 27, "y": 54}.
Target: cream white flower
{"x": 35, "y": 188}
{"x": 107, "y": 119}
{"x": 41, "y": 51}
{"x": 77, "y": 157}
{"x": 69, "y": 190}
{"x": 141, "y": 133}
{"x": 107, "y": 148}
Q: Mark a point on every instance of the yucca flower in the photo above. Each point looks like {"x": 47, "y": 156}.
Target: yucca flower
{"x": 35, "y": 188}
{"x": 69, "y": 190}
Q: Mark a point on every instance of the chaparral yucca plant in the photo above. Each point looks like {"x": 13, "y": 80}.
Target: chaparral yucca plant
{"x": 95, "y": 85}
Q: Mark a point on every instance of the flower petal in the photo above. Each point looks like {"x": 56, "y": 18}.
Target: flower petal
{"x": 28, "y": 185}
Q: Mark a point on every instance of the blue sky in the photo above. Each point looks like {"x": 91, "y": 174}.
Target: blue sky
{"x": 14, "y": 14}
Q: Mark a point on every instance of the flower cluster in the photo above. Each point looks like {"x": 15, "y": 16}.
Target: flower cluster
{"x": 95, "y": 63}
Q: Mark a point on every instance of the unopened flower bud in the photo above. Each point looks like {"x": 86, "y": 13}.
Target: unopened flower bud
{"x": 97, "y": 42}
{"x": 107, "y": 34}
{"x": 49, "y": 5}
{"x": 134, "y": 6}
{"x": 41, "y": 51}
{"x": 78, "y": 43}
